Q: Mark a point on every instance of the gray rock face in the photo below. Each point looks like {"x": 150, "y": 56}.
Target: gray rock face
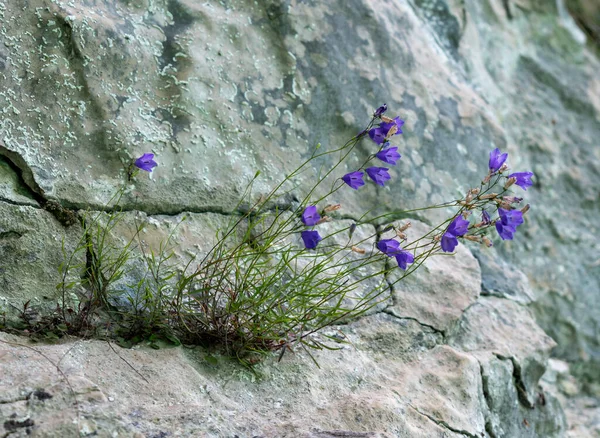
{"x": 219, "y": 90}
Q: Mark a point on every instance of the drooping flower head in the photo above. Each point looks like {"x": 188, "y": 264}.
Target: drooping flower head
{"x": 379, "y": 111}
{"x": 379, "y": 175}
{"x": 389, "y": 247}
{"x": 523, "y": 179}
{"x": 310, "y": 216}
{"x": 354, "y": 179}
{"x": 497, "y": 159}
{"x": 403, "y": 258}
{"x": 380, "y": 133}
{"x": 485, "y": 217}
{"x": 508, "y": 223}
{"x": 398, "y": 122}
{"x": 146, "y": 162}
{"x": 458, "y": 227}
{"x": 389, "y": 156}
{"x": 449, "y": 242}
{"x": 310, "y": 238}
{"x": 377, "y": 135}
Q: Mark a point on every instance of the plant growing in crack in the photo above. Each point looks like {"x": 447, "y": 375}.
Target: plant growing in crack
{"x": 279, "y": 273}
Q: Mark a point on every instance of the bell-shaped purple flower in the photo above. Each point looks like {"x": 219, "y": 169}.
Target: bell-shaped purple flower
{"x": 378, "y": 134}
{"x": 449, "y": 242}
{"x": 387, "y": 126}
{"x": 378, "y": 174}
{"x": 389, "y": 247}
{"x": 310, "y": 238}
{"x": 523, "y": 179}
{"x": 310, "y": 216}
{"x": 458, "y": 227}
{"x": 389, "y": 156}
{"x": 403, "y": 258}
{"x": 146, "y": 162}
{"x": 497, "y": 159}
{"x": 354, "y": 179}
{"x": 508, "y": 223}
{"x": 379, "y": 111}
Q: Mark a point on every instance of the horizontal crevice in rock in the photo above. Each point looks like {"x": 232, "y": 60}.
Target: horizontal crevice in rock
{"x": 342, "y": 434}
{"x": 409, "y": 318}
{"x": 443, "y": 424}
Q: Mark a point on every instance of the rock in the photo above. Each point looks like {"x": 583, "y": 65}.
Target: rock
{"x": 512, "y": 351}
{"x": 430, "y": 393}
{"x": 31, "y": 247}
{"x": 221, "y": 90}
{"x": 437, "y": 294}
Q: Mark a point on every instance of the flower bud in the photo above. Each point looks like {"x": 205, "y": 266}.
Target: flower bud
{"x": 512, "y": 199}
{"x": 333, "y": 207}
{"x": 386, "y": 119}
{"x": 405, "y": 227}
{"x": 473, "y": 238}
{"x": 525, "y": 209}
{"x": 509, "y": 182}
{"x": 489, "y": 196}
{"x": 351, "y": 230}
{"x": 487, "y": 178}
{"x": 358, "y": 250}
{"x": 503, "y": 168}
{"x": 487, "y": 242}
{"x": 324, "y": 219}
{"x": 388, "y": 228}
{"x": 475, "y": 191}
{"x": 400, "y": 234}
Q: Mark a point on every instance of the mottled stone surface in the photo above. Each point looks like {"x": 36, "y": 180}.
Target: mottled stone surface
{"x": 439, "y": 292}
{"x": 219, "y": 90}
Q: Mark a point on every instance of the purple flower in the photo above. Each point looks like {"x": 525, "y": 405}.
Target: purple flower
{"x": 458, "y": 227}
{"x": 354, "y": 179}
{"x": 310, "y": 238}
{"x": 508, "y": 223}
{"x": 378, "y": 134}
{"x": 389, "y": 247}
{"x": 389, "y": 156}
{"x": 497, "y": 159}
{"x": 146, "y": 162}
{"x": 310, "y": 216}
{"x": 449, "y": 242}
{"x": 523, "y": 179}
{"x": 379, "y": 111}
{"x": 485, "y": 217}
{"x": 387, "y": 126}
{"x": 403, "y": 258}
{"x": 378, "y": 174}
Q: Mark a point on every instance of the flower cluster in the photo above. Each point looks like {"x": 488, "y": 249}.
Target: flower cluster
{"x": 509, "y": 218}
{"x": 392, "y": 248}
{"x": 310, "y": 217}
{"x": 380, "y": 134}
